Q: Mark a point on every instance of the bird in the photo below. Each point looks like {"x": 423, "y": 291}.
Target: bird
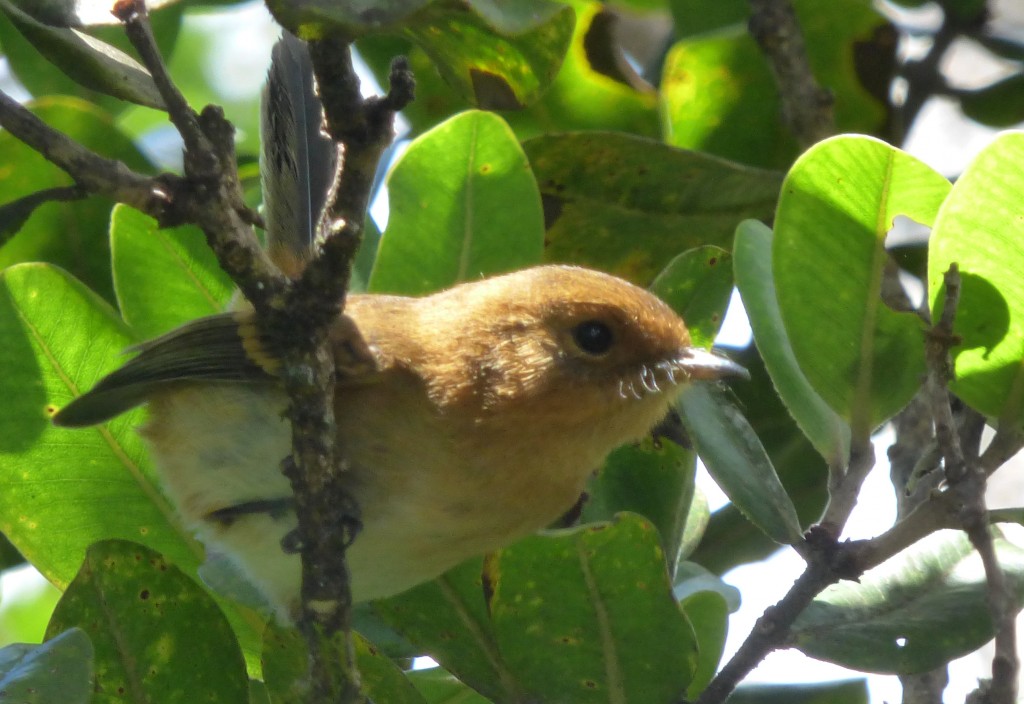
{"x": 466, "y": 419}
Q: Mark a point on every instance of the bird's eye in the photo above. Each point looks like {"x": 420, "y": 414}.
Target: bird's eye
{"x": 593, "y": 337}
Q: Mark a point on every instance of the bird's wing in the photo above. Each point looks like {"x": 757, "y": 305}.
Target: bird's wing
{"x": 209, "y": 349}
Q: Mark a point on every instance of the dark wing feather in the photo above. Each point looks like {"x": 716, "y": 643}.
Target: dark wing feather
{"x": 298, "y": 161}
{"x": 208, "y": 349}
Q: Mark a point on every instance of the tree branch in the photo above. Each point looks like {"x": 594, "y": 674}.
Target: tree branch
{"x": 210, "y": 195}
{"x": 90, "y": 171}
{"x": 967, "y": 482}
{"x": 806, "y": 106}
{"x": 14, "y": 214}
{"x": 328, "y": 515}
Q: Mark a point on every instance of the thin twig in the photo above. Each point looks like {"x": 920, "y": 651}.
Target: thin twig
{"x": 133, "y": 14}
{"x": 845, "y": 483}
{"x": 366, "y": 128}
{"x": 90, "y": 171}
{"x": 14, "y": 214}
{"x": 913, "y": 484}
{"x": 211, "y": 194}
{"x": 806, "y": 106}
{"x": 924, "y": 77}
{"x": 967, "y": 481}
{"x": 826, "y": 565}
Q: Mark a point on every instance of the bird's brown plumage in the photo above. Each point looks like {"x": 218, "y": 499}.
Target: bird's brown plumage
{"x": 466, "y": 419}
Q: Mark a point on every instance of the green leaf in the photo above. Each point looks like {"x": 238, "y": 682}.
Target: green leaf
{"x": 450, "y": 219}
{"x": 72, "y": 234}
{"x": 828, "y": 257}
{"x": 59, "y": 339}
{"x": 286, "y": 659}
{"x": 81, "y": 13}
{"x": 913, "y": 613}
{"x": 25, "y": 612}
{"x": 730, "y": 539}
{"x": 653, "y": 480}
{"x": 708, "y": 613}
{"x": 720, "y": 96}
{"x": 736, "y": 459}
{"x": 158, "y": 636}
{"x": 67, "y": 489}
{"x": 626, "y": 205}
{"x": 979, "y": 227}
{"x": 697, "y": 285}
{"x": 449, "y": 619}
{"x": 579, "y": 98}
{"x": 313, "y": 20}
{"x": 494, "y": 69}
{"x": 693, "y": 17}
{"x": 87, "y": 60}
{"x": 998, "y": 105}
{"x": 497, "y": 56}
{"x": 584, "y": 97}
{"x": 715, "y": 89}
{"x": 438, "y": 686}
{"x": 152, "y": 266}
{"x": 42, "y": 78}
{"x": 698, "y": 517}
{"x": 597, "y": 602}
{"x": 59, "y": 670}
{"x": 693, "y": 579}
{"x": 843, "y": 692}
{"x": 829, "y": 434}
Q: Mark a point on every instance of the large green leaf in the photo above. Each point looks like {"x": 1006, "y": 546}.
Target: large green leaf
{"x": 71, "y": 234}
{"x": 999, "y": 105}
{"x": 286, "y": 662}
{"x": 141, "y": 613}
{"x": 841, "y": 692}
{"x": 915, "y": 612}
{"x": 708, "y": 613}
{"x": 58, "y": 340}
{"x": 828, "y": 256}
{"x": 697, "y": 284}
{"x": 450, "y": 218}
{"x": 66, "y": 489}
{"x": 153, "y": 266}
{"x": 730, "y": 539}
{"x": 579, "y": 98}
{"x": 496, "y": 70}
{"x": 979, "y": 227}
{"x": 39, "y": 60}
{"x": 496, "y": 55}
{"x": 628, "y": 205}
{"x": 603, "y": 614}
{"x": 693, "y": 17}
{"x": 823, "y": 426}
{"x": 438, "y": 686}
{"x": 59, "y": 670}
{"x": 655, "y": 480}
{"x": 86, "y": 60}
{"x": 721, "y": 97}
{"x": 736, "y": 459}
{"x": 449, "y": 619}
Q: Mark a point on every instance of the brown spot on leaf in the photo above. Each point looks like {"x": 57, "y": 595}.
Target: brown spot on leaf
{"x": 552, "y": 206}
{"x": 492, "y": 91}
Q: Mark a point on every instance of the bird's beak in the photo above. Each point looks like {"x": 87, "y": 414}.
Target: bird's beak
{"x": 703, "y": 364}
